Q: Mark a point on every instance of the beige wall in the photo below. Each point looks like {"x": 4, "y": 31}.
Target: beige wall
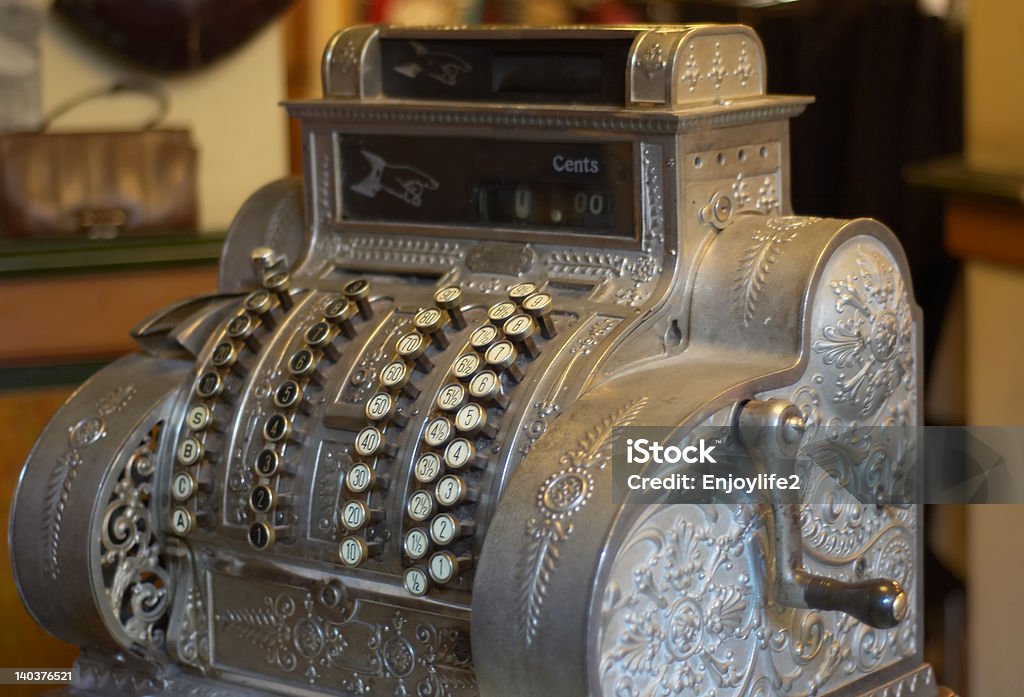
{"x": 995, "y": 84}
{"x": 231, "y": 106}
{"x": 994, "y": 72}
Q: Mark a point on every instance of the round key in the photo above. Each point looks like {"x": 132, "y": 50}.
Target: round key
{"x": 465, "y": 365}
{"x": 445, "y": 567}
{"x": 501, "y": 311}
{"x": 428, "y": 467}
{"x": 224, "y": 355}
{"x": 439, "y": 430}
{"x": 303, "y": 364}
{"x": 453, "y": 490}
{"x": 242, "y": 328}
{"x": 287, "y": 394}
{"x": 261, "y": 499}
{"x": 260, "y": 304}
{"x": 416, "y": 544}
{"x": 358, "y": 292}
{"x": 279, "y": 283}
{"x": 340, "y": 313}
{"x": 472, "y": 419}
{"x": 395, "y": 378}
{"x": 320, "y": 335}
{"x": 277, "y": 428}
{"x": 268, "y": 463}
{"x": 210, "y": 384}
{"x": 539, "y": 307}
{"x": 412, "y": 347}
{"x": 183, "y": 521}
{"x": 261, "y": 535}
{"x": 483, "y": 336}
{"x": 520, "y": 330}
{"x": 502, "y": 357}
{"x": 446, "y": 528}
{"x": 449, "y": 299}
{"x": 451, "y": 397}
{"x": 199, "y": 417}
{"x": 190, "y": 451}
{"x": 431, "y": 322}
{"x": 421, "y": 505}
{"x": 353, "y": 551}
{"x": 520, "y": 290}
{"x": 486, "y": 387}
{"x": 462, "y": 453}
{"x": 183, "y": 486}
{"x": 360, "y": 478}
{"x": 382, "y": 408}
{"x": 416, "y": 581}
{"x": 356, "y": 515}
{"x": 370, "y": 443}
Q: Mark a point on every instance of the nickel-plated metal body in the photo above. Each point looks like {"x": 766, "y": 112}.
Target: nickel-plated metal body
{"x": 379, "y": 462}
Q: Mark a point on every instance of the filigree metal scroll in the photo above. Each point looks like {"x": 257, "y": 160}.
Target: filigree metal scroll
{"x": 560, "y": 498}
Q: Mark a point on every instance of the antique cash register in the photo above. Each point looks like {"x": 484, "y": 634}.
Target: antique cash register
{"x": 382, "y": 460}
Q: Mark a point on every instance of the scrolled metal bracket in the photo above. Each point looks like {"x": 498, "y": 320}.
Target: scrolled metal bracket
{"x": 771, "y": 431}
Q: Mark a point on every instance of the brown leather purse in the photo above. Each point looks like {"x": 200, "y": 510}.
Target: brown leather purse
{"x": 98, "y": 183}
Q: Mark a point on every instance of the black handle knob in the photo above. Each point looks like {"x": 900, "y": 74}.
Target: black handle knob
{"x": 878, "y": 602}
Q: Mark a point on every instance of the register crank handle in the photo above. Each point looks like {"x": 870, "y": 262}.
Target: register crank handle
{"x": 771, "y": 431}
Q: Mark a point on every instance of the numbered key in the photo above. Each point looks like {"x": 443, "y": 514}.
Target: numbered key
{"x": 209, "y": 385}
{"x": 277, "y": 428}
{"x": 362, "y": 478}
{"x": 438, "y": 432}
{"x": 502, "y": 357}
{"x": 242, "y": 328}
{"x": 539, "y": 307}
{"x": 446, "y": 528}
{"x": 416, "y": 581}
{"x": 431, "y": 322}
{"x": 428, "y": 468}
{"x": 472, "y": 420}
{"x": 320, "y": 335}
{"x": 465, "y": 366}
{"x": 340, "y": 312}
{"x": 520, "y": 330}
{"x": 520, "y": 291}
{"x": 449, "y": 299}
{"x": 412, "y": 348}
{"x": 485, "y": 386}
{"x": 421, "y": 505}
{"x": 382, "y": 408}
{"x": 358, "y": 292}
{"x": 370, "y": 443}
{"x": 260, "y": 304}
{"x": 353, "y": 550}
{"x": 461, "y": 453}
{"x": 395, "y": 378}
{"x": 454, "y": 491}
{"x": 445, "y": 566}
{"x": 500, "y": 312}
{"x": 451, "y": 397}
{"x": 483, "y": 336}
{"x": 416, "y": 544}
{"x": 356, "y": 515}
{"x": 279, "y": 283}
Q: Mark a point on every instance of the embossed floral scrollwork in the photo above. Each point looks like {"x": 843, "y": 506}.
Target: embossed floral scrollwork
{"x": 870, "y": 345}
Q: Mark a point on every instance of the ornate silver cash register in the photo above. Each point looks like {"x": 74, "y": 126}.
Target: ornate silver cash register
{"x": 380, "y": 460}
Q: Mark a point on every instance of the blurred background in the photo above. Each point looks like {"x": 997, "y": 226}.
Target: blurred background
{"x": 917, "y": 123}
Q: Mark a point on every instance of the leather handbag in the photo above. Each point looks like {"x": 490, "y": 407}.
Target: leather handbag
{"x": 98, "y": 183}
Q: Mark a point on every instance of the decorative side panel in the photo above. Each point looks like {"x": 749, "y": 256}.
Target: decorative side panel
{"x": 327, "y": 640}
